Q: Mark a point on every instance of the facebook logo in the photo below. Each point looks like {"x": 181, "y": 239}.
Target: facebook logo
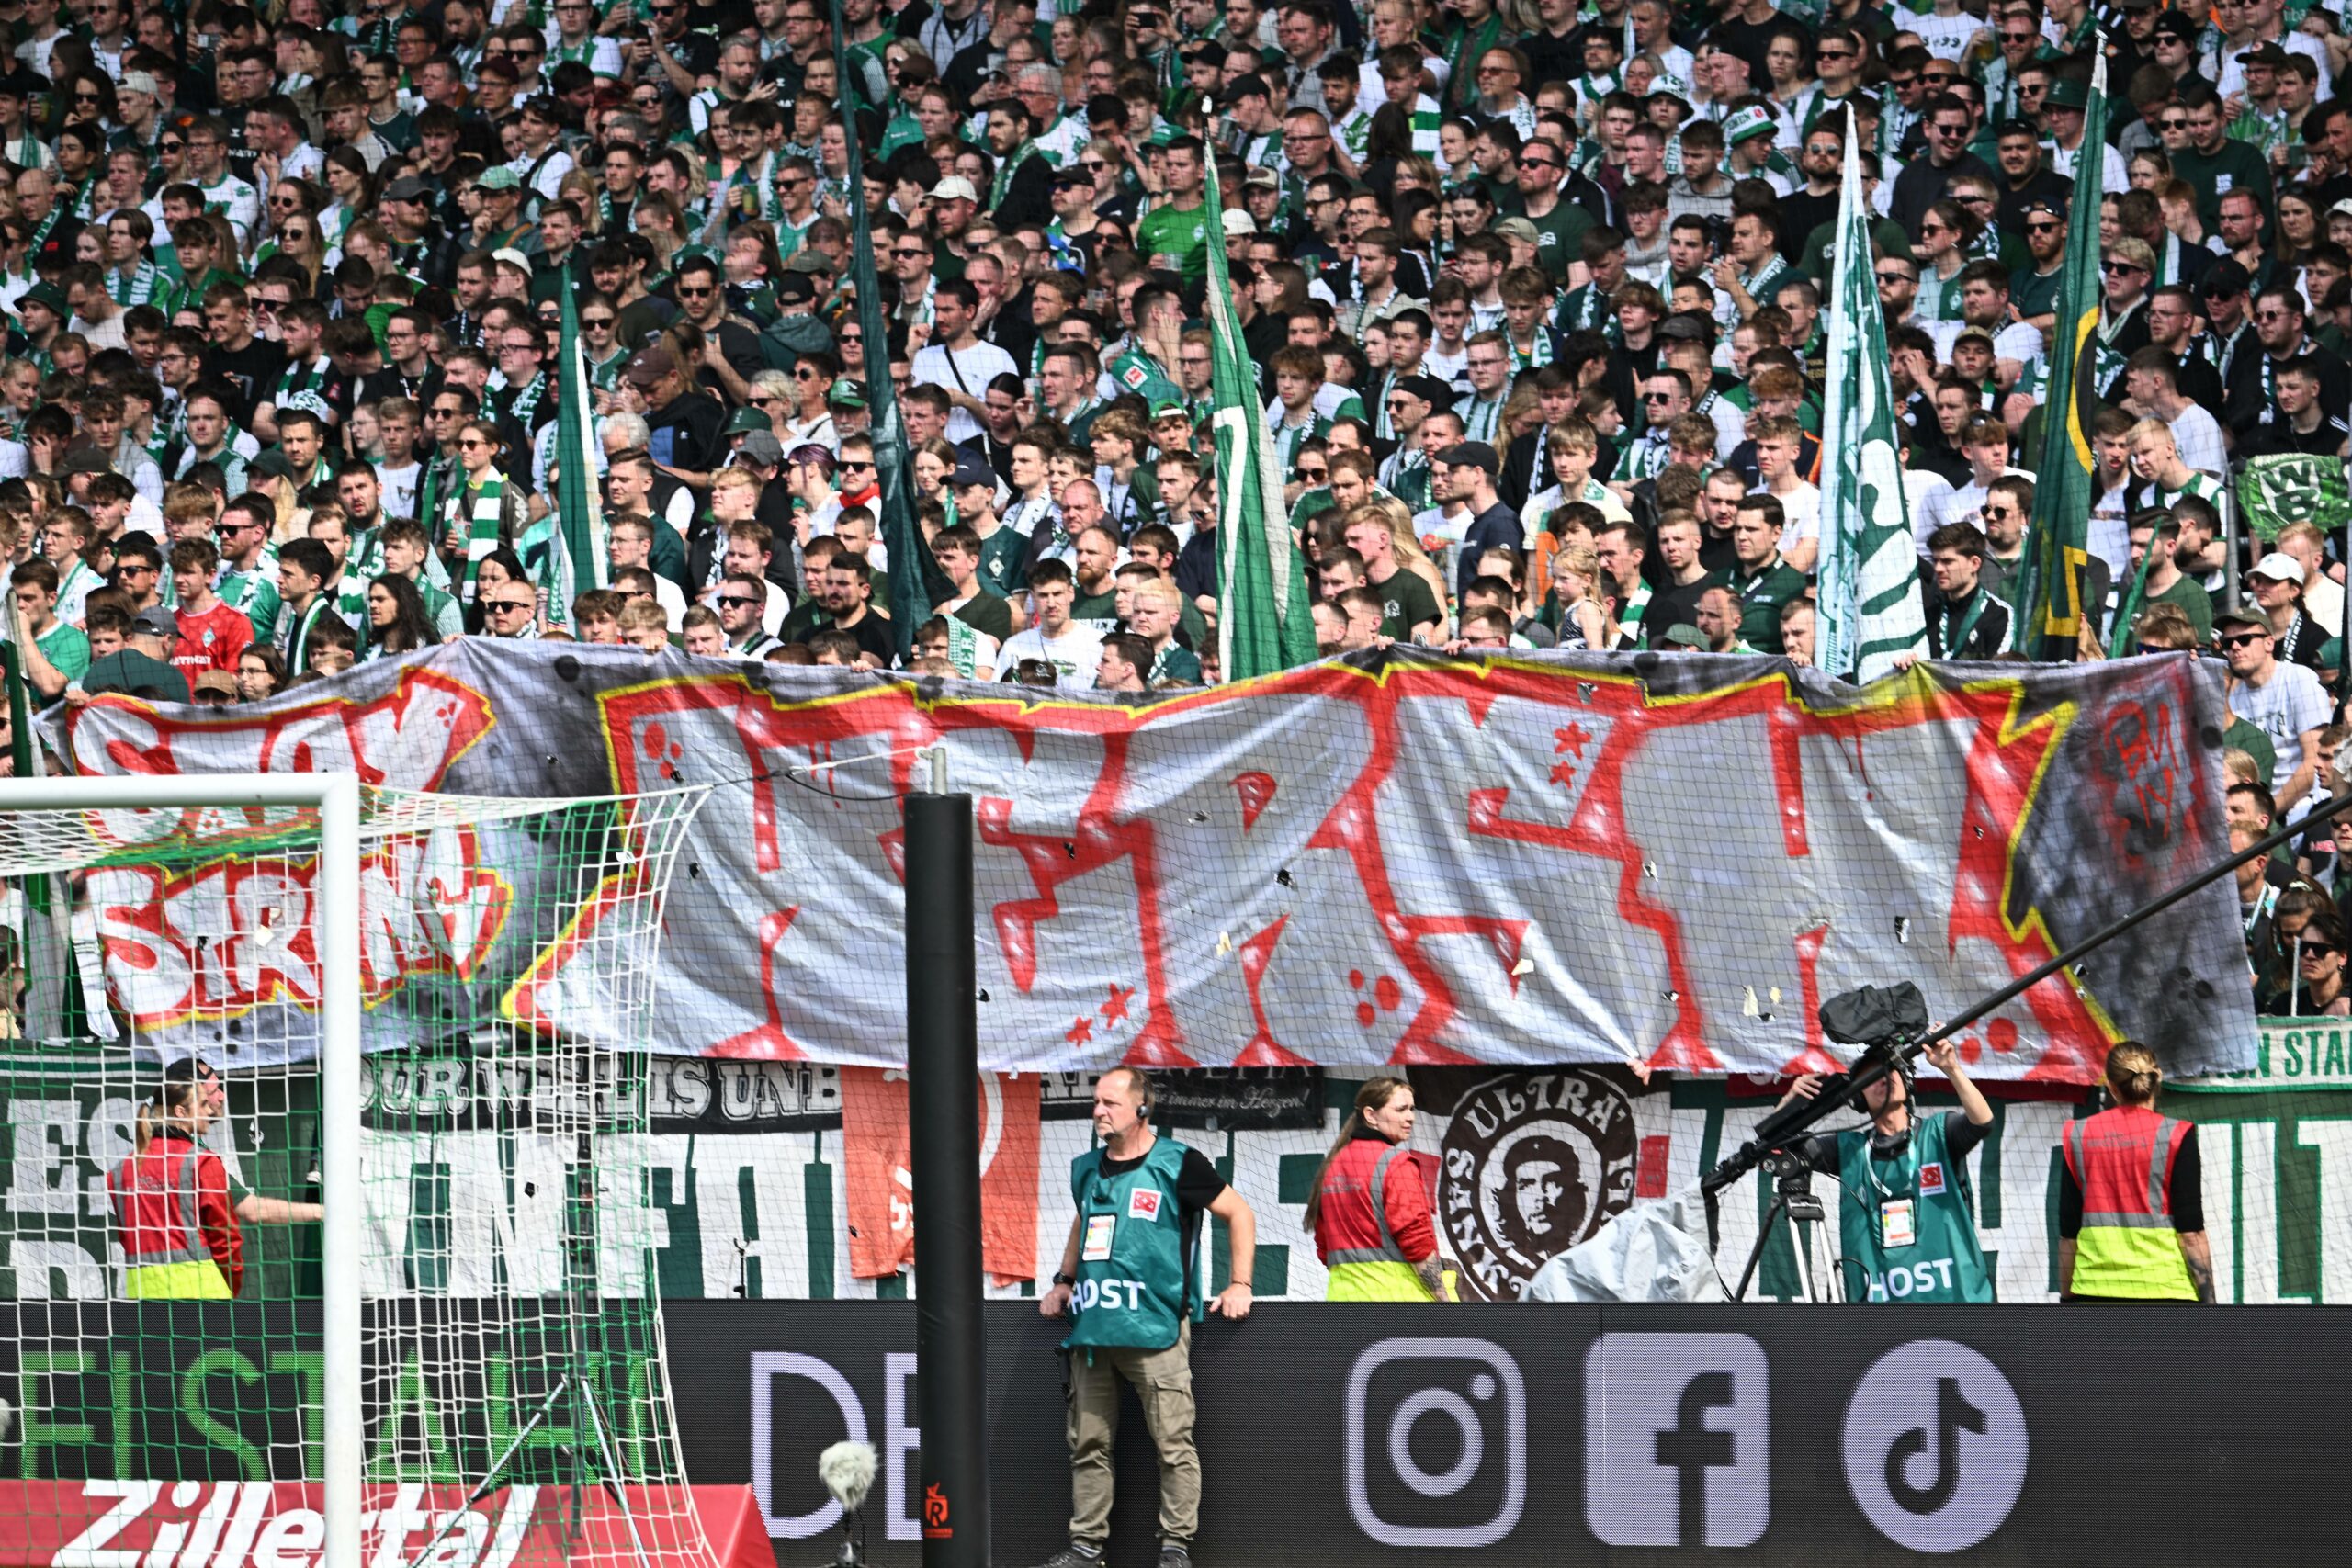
{"x": 1675, "y": 1449}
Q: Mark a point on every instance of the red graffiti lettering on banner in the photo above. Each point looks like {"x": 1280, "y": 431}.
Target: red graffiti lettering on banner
{"x": 223, "y": 939}
{"x": 1070, "y": 799}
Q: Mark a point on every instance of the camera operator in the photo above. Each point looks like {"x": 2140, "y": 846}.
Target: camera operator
{"x": 1904, "y": 1220}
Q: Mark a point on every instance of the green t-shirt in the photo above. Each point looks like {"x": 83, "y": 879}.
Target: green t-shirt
{"x": 2233, "y": 166}
{"x": 2193, "y": 601}
{"x": 1406, "y": 602}
{"x": 1760, "y": 598}
{"x": 1184, "y": 235}
{"x": 1000, "y": 556}
{"x": 2243, "y": 737}
{"x": 64, "y": 645}
{"x": 1175, "y": 663}
{"x": 1559, "y": 237}
{"x": 989, "y": 613}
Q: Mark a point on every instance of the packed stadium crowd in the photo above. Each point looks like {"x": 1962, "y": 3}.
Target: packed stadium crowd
{"x": 1534, "y": 294}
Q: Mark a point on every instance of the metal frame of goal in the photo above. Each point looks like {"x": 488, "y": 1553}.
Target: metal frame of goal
{"x": 335, "y": 798}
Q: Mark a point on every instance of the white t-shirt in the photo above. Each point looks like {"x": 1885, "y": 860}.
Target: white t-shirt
{"x": 2197, "y": 435}
{"x": 400, "y": 486}
{"x": 2283, "y": 707}
{"x": 967, "y": 370}
{"x": 1075, "y": 653}
{"x": 1946, "y": 38}
{"x": 1799, "y": 514}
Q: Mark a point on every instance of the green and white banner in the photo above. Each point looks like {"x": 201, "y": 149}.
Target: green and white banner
{"x": 742, "y": 1180}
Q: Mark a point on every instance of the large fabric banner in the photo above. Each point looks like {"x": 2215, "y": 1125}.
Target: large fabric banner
{"x": 1652, "y": 861}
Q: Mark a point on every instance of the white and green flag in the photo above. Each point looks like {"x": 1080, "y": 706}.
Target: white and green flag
{"x": 578, "y": 509}
{"x": 1265, "y": 621}
{"x": 1871, "y": 610}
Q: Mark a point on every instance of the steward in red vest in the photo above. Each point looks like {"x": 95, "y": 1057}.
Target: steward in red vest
{"x": 171, "y": 1209}
{"x": 2130, "y": 1206}
{"x": 1370, "y": 1212}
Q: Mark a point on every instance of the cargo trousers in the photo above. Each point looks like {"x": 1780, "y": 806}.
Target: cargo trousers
{"x": 1163, "y": 1381}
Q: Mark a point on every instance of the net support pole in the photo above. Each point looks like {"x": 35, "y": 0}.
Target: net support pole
{"x": 338, "y": 935}
{"x": 943, "y": 1103}
{"x": 335, "y": 798}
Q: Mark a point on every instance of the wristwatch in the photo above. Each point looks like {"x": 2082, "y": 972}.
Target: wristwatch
{"x": 1061, "y": 1279}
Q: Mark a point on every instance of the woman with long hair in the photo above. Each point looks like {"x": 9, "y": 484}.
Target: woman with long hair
{"x": 658, "y": 217}
{"x": 1370, "y": 1210}
{"x": 353, "y": 188}
{"x": 483, "y": 503}
{"x": 398, "y": 621}
{"x": 2124, "y": 1235}
{"x": 173, "y": 1211}
{"x": 301, "y": 240}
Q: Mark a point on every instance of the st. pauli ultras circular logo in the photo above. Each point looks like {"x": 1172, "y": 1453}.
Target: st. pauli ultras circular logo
{"x": 1534, "y": 1162}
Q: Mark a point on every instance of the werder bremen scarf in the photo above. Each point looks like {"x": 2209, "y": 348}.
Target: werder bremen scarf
{"x": 481, "y": 523}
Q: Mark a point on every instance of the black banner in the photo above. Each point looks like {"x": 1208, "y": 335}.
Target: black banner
{"x": 1354, "y": 1435}
{"x": 1505, "y": 1435}
{"x": 1244, "y": 1099}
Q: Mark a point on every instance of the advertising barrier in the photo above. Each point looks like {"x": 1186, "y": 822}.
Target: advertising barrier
{"x": 1645, "y": 860}
{"x": 1330, "y": 1435}
{"x": 1363, "y": 1435}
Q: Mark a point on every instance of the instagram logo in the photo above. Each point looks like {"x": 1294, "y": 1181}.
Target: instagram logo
{"x": 1436, "y": 1442}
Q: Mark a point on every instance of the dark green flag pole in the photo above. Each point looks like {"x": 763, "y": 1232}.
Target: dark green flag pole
{"x": 916, "y": 581}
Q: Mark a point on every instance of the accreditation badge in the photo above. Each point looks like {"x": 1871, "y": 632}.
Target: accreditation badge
{"x": 1897, "y": 1227}
{"x": 1096, "y": 1246}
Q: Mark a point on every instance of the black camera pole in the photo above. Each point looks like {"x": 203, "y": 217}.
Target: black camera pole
{"x": 1793, "y": 1121}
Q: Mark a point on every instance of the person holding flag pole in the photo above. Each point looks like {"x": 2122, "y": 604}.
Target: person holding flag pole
{"x": 916, "y": 581}
{"x": 581, "y": 562}
{"x": 2049, "y": 617}
{"x": 1265, "y": 621}
{"x": 1870, "y": 618}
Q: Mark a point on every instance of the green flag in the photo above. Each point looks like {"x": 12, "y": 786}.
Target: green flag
{"x": 1869, "y": 608}
{"x": 916, "y": 581}
{"x": 580, "y": 514}
{"x": 2049, "y": 593}
{"x": 2293, "y": 486}
{"x": 1263, "y": 617}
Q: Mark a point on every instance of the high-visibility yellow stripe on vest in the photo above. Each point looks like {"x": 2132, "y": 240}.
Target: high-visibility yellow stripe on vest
{"x": 2127, "y": 1246}
{"x": 195, "y": 1280}
{"x": 1381, "y": 1281}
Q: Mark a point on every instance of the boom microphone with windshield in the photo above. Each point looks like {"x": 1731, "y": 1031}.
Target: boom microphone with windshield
{"x": 1891, "y": 1024}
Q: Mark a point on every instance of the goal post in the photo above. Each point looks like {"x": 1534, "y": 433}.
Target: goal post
{"x": 335, "y": 799}
{"x": 333, "y": 1225}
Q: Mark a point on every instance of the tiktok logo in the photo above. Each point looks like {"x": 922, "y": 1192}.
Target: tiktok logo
{"x": 1953, "y": 1415}
{"x": 1935, "y": 1446}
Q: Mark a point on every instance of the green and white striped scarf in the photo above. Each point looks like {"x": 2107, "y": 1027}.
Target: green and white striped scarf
{"x": 481, "y": 523}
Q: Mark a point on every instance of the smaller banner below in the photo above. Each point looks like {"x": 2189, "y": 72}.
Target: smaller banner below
{"x": 874, "y": 1131}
